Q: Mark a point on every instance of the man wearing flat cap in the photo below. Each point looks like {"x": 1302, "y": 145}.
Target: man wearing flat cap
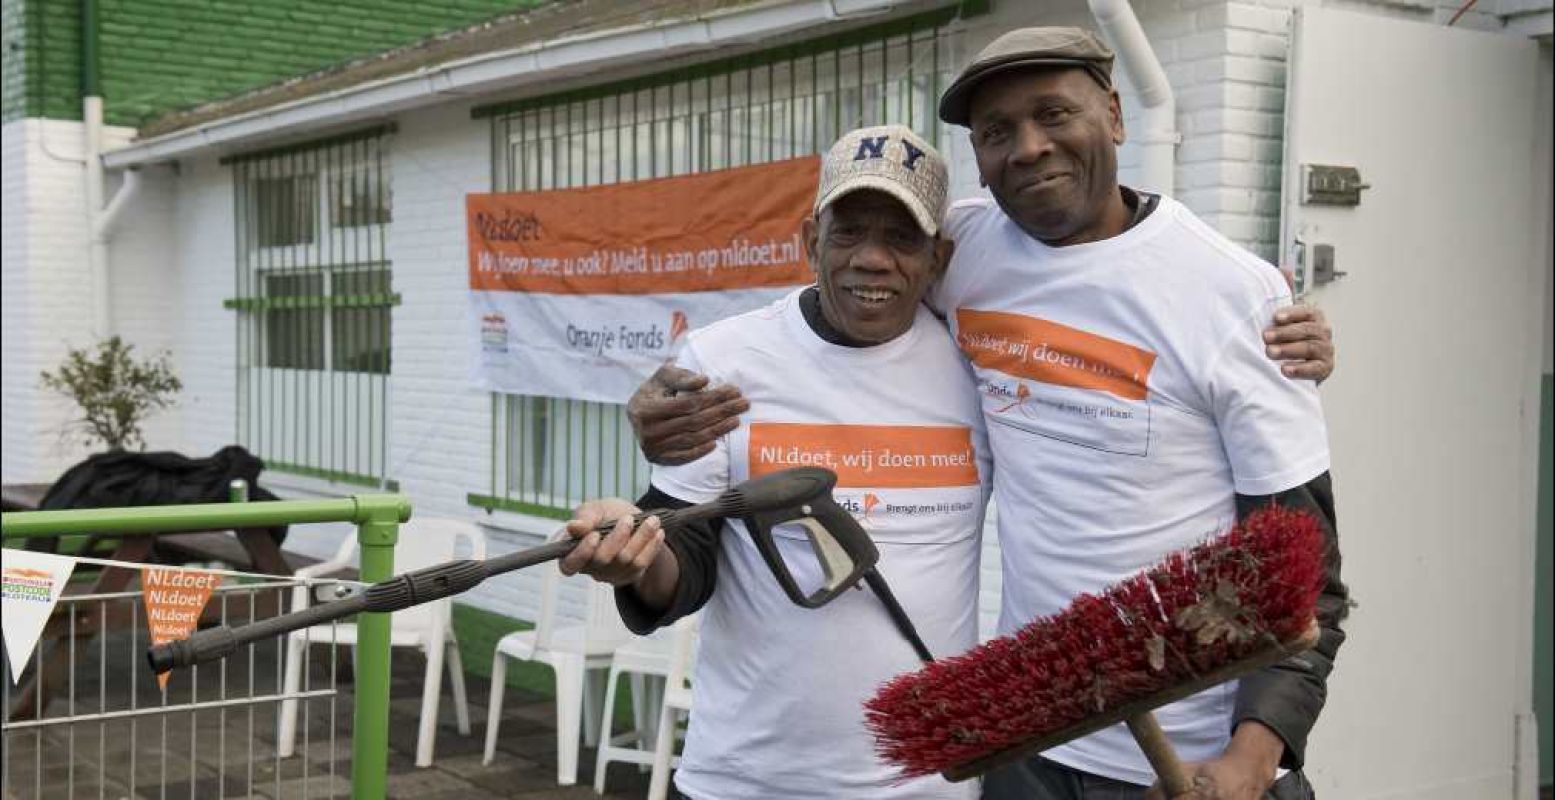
{"x": 1151, "y": 417}
{"x": 1133, "y": 400}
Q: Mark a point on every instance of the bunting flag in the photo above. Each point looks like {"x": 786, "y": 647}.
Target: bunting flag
{"x": 32, "y": 585}
{"x": 175, "y": 599}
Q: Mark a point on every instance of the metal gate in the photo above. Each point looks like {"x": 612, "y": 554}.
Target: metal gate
{"x": 104, "y": 728}
{"x": 103, "y": 701}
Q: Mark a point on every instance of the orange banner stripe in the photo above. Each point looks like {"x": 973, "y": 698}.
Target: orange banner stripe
{"x": 1028, "y": 347}
{"x": 873, "y": 456}
{"x": 711, "y": 231}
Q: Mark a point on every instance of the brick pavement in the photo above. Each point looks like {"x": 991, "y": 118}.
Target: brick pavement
{"x": 233, "y": 755}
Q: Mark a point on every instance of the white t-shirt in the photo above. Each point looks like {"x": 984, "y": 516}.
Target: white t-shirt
{"x": 779, "y": 690}
{"x": 1128, "y": 399}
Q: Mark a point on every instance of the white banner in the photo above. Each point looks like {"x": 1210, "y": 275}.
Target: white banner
{"x": 582, "y": 293}
{"x": 32, "y": 585}
{"x": 591, "y": 347}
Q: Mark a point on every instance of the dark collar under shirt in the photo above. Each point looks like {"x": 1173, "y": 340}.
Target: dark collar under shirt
{"x": 810, "y": 306}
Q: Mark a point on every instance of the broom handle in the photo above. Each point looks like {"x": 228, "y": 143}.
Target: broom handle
{"x": 1163, "y": 758}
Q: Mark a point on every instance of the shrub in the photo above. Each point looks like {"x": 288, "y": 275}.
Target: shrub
{"x": 114, "y": 391}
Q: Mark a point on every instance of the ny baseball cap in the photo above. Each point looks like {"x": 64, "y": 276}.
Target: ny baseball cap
{"x": 890, "y": 159}
{"x": 1022, "y": 49}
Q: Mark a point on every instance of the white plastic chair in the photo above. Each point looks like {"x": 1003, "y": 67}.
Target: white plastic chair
{"x": 647, "y": 661}
{"x": 676, "y": 700}
{"x": 423, "y": 542}
{"x": 580, "y": 655}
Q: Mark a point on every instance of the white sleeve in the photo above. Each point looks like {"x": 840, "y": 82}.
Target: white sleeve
{"x": 1271, "y": 426}
{"x": 943, "y": 296}
{"x": 707, "y": 477}
{"x": 985, "y": 464}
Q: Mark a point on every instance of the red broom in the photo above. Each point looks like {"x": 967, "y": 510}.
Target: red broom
{"x": 1196, "y": 619}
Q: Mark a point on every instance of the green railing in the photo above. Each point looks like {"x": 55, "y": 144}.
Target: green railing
{"x": 377, "y": 519}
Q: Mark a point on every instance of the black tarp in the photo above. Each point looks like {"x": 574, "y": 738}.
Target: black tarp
{"x": 157, "y": 479}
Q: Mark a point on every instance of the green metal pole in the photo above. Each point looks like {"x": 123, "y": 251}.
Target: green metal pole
{"x": 171, "y": 519}
{"x": 377, "y": 534}
{"x": 90, "y": 86}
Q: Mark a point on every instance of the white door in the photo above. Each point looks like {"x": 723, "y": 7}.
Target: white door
{"x": 1437, "y": 319}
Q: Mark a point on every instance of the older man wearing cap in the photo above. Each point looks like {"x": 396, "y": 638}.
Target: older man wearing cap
{"x": 1131, "y": 404}
{"x": 854, "y": 366}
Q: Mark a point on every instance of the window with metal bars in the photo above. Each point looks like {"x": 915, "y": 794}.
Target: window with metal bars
{"x": 314, "y": 294}
{"x": 549, "y": 454}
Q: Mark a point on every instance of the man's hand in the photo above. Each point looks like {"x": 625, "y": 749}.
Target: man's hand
{"x": 1302, "y": 342}
{"x": 619, "y": 557}
{"x": 623, "y": 557}
{"x": 1244, "y": 772}
{"x": 678, "y": 419}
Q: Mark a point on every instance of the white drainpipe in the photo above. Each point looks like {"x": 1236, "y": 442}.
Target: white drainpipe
{"x": 100, "y": 219}
{"x": 97, "y": 255}
{"x": 1158, "y": 141}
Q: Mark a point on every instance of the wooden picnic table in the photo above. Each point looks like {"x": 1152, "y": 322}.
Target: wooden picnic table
{"x": 22, "y": 496}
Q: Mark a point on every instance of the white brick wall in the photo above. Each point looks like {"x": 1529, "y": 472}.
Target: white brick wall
{"x": 139, "y": 277}
{"x": 18, "y": 392}
{"x": 47, "y": 295}
{"x": 440, "y": 424}
{"x": 201, "y": 255}
{"x": 47, "y": 301}
{"x": 1225, "y": 60}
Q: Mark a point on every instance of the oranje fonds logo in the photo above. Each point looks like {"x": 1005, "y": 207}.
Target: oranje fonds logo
{"x": 1022, "y": 394}
{"x": 870, "y": 507}
{"x": 861, "y": 507}
{"x": 679, "y": 325}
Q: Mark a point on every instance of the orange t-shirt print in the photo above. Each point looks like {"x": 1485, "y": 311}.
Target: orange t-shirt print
{"x": 1049, "y": 352}
{"x": 872, "y": 456}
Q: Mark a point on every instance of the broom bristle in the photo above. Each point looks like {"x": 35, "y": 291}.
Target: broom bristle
{"x": 1197, "y": 610}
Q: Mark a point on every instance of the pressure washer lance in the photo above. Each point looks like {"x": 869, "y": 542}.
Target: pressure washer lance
{"x": 801, "y": 495}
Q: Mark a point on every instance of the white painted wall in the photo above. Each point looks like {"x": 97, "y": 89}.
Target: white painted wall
{"x": 441, "y": 423}
{"x": 18, "y": 393}
{"x": 46, "y": 303}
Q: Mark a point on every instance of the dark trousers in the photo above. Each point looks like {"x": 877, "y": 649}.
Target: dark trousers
{"x": 1040, "y": 779}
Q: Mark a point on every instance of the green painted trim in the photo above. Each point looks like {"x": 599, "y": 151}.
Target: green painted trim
{"x": 312, "y": 301}
{"x": 490, "y": 503}
{"x": 334, "y": 476}
{"x": 332, "y": 266}
{"x": 311, "y": 144}
{"x": 725, "y": 66}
